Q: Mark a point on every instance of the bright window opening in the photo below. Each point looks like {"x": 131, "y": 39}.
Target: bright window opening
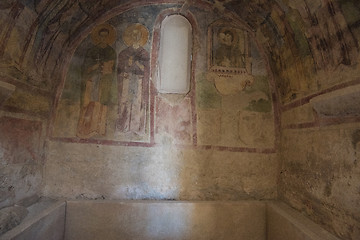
{"x": 175, "y": 55}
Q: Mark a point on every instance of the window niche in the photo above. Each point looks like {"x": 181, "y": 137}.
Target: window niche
{"x": 175, "y": 55}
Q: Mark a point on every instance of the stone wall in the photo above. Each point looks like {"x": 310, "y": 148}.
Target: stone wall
{"x": 320, "y": 168}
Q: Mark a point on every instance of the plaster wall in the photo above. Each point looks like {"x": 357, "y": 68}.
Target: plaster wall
{"x": 90, "y": 171}
{"x": 21, "y": 158}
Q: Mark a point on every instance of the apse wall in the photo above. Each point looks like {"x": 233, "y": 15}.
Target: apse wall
{"x": 215, "y": 142}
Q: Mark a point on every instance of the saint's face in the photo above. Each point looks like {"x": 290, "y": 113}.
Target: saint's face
{"x": 103, "y": 35}
{"x": 136, "y": 37}
{"x": 228, "y": 39}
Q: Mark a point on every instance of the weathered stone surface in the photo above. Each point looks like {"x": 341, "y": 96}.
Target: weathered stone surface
{"x": 302, "y": 114}
{"x": 45, "y": 221}
{"x": 23, "y": 100}
{"x": 115, "y": 172}
{"x": 320, "y": 175}
{"x": 10, "y": 217}
{"x": 19, "y": 181}
{"x": 28, "y": 201}
{"x": 21, "y": 159}
{"x": 343, "y": 102}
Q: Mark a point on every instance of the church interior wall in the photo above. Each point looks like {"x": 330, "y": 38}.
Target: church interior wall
{"x": 85, "y": 120}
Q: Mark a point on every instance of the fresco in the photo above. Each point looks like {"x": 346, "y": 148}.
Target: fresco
{"x": 233, "y": 96}
{"x": 31, "y": 39}
{"x": 107, "y": 93}
{"x": 173, "y": 120}
{"x": 229, "y": 60}
{"x": 229, "y": 47}
{"x": 21, "y": 159}
{"x": 20, "y": 140}
{"x": 35, "y": 32}
{"x": 107, "y": 88}
{"x": 133, "y": 81}
{"x": 114, "y": 86}
{"x": 311, "y": 45}
{"x": 97, "y": 80}
{"x": 243, "y": 119}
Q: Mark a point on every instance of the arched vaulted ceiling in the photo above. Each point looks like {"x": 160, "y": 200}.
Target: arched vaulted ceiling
{"x": 310, "y": 45}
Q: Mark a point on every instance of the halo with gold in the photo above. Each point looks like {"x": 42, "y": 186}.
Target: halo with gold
{"x": 110, "y": 39}
{"x": 129, "y": 31}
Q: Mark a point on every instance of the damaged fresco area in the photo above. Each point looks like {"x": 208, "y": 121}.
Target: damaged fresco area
{"x": 313, "y": 45}
{"x": 107, "y": 88}
{"x": 107, "y": 93}
{"x": 21, "y": 159}
{"x": 32, "y": 37}
{"x": 173, "y": 119}
{"x": 233, "y": 98}
{"x": 244, "y": 119}
{"x": 34, "y": 34}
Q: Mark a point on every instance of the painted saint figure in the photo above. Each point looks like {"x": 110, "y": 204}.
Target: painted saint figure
{"x": 228, "y": 53}
{"x": 97, "y": 79}
{"x": 133, "y": 81}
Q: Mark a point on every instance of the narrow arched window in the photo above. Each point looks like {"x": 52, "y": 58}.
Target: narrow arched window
{"x": 175, "y": 55}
